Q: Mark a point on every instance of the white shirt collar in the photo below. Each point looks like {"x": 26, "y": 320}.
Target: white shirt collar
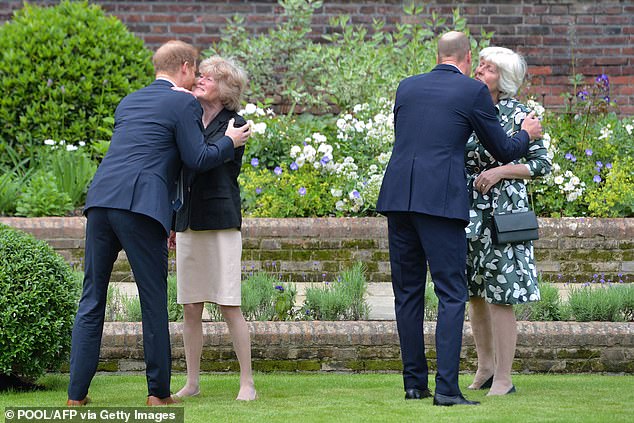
{"x": 167, "y": 79}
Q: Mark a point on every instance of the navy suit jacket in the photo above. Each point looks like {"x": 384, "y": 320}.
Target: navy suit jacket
{"x": 434, "y": 115}
{"x": 156, "y": 130}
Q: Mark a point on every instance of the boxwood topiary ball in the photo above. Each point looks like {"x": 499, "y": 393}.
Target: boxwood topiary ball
{"x": 38, "y": 301}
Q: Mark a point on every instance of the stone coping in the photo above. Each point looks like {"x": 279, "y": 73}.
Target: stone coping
{"x": 564, "y": 347}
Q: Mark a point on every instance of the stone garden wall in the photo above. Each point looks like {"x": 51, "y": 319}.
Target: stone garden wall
{"x": 316, "y": 249}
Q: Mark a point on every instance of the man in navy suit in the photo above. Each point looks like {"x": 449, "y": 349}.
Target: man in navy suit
{"x": 424, "y": 196}
{"x": 130, "y": 206}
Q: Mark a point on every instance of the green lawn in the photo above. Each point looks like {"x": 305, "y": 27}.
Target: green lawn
{"x": 337, "y": 397}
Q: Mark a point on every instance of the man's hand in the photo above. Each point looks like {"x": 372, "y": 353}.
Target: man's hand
{"x": 532, "y": 125}
{"x": 239, "y": 135}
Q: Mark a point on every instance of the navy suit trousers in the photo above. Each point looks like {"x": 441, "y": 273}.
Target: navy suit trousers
{"x": 416, "y": 240}
{"x": 144, "y": 241}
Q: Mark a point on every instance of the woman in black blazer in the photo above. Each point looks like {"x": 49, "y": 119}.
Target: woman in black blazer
{"x": 208, "y": 239}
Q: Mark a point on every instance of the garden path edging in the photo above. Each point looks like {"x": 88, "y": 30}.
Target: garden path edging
{"x": 366, "y": 346}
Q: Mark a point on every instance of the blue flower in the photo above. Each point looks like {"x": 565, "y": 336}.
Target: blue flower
{"x": 608, "y": 165}
{"x": 582, "y": 95}
{"x": 355, "y": 193}
{"x": 294, "y": 166}
{"x": 258, "y": 190}
{"x": 571, "y": 157}
{"x": 588, "y": 152}
{"x": 597, "y": 178}
{"x": 279, "y": 288}
{"x": 255, "y": 162}
{"x": 599, "y": 164}
{"x": 324, "y": 160}
{"x": 302, "y": 191}
{"x": 277, "y": 170}
{"x": 49, "y": 82}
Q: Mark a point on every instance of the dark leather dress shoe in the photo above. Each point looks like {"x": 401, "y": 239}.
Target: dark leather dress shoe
{"x": 155, "y": 401}
{"x": 487, "y": 384}
{"x": 448, "y": 400}
{"x": 417, "y": 393}
{"x": 77, "y": 403}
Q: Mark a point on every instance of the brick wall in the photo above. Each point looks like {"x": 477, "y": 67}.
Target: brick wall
{"x": 317, "y": 249}
{"x": 552, "y": 34}
{"x": 543, "y": 347}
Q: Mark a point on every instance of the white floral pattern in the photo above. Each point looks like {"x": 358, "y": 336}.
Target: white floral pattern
{"x": 501, "y": 274}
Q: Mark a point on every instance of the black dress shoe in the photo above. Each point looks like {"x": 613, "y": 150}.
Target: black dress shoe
{"x": 447, "y": 400}
{"x": 417, "y": 393}
{"x": 487, "y": 384}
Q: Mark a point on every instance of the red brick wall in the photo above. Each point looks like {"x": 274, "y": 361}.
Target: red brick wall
{"x": 548, "y": 32}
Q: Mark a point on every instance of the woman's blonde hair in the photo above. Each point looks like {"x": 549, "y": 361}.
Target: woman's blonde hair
{"x": 230, "y": 77}
{"x": 511, "y": 67}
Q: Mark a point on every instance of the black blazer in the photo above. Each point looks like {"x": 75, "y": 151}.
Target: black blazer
{"x": 212, "y": 199}
{"x": 156, "y": 131}
{"x": 434, "y": 115}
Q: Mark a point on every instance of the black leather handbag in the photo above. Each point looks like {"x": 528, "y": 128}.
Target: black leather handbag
{"x": 514, "y": 227}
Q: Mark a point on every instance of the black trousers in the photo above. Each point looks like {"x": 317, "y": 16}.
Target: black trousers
{"x": 145, "y": 243}
{"x": 415, "y": 240}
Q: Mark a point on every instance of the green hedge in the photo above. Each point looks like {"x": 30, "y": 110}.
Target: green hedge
{"x": 38, "y": 300}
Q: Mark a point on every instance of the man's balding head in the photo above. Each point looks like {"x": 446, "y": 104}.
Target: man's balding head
{"x": 453, "y": 45}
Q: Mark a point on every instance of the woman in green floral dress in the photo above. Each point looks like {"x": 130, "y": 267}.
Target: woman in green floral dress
{"x": 499, "y": 275}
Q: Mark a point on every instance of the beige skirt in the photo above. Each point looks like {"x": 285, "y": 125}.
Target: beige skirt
{"x": 208, "y": 266}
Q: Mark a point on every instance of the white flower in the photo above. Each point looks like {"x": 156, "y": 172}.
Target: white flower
{"x": 309, "y": 152}
{"x": 71, "y": 147}
{"x": 559, "y": 179}
{"x": 606, "y": 132}
{"x": 339, "y": 205}
{"x": 49, "y": 142}
{"x": 575, "y": 180}
{"x": 82, "y": 143}
{"x": 250, "y": 108}
{"x": 629, "y": 129}
{"x": 259, "y": 128}
{"x": 325, "y": 149}
{"x": 260, "y": 112}
{"x": 341, "y": 124}
{"x": 319, "y": 137}
{"x": 295, "y": 150}
{"x": 336, "y": 192}
{"x": 384, "y": 157}
{"x": 300, "y": 161}
{"x": 359, "y": 126}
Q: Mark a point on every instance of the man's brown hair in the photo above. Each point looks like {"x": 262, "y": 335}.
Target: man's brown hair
{"x": 172, "y": 55}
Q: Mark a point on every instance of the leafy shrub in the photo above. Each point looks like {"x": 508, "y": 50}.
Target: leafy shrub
{"x": 64, "y": 69}
{"x": 340, "y": 300}
{"x": 290, "y": 67}
{"x": 549, "y": 308}
{"x": 612, "y": 303}
{"x": 38, "y": 300}
{"x": 41, "y": 197}
{"x": 73, "y": 170}
{"x": 264, "y": 297}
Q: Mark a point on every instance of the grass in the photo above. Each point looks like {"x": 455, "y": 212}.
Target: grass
{"x": 338, "y": 397}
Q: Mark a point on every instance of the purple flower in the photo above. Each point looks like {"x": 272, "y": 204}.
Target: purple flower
{"x": 603, "y": 81}
{"x": 597, "y": 178}
{"x": 607, "y": 98}
{"x": 277, "y": 170}
{"x": 255, "y": 162}
{"x": 571, "y": 157}
{"x": 49, "y": 82}
{"x": 608, "y": 165}
{"x": 599, "y": 164}
{"x": 62, "y": 89}
{"x": 324, "y": 160}
{"x": 302, "y": 191}
{"x": 355, "y": 193}
{"x": 279, "y": 288}
{"x": 582, "y": 95}
{"x": 294, "y": 166}
{"x": 588, "y": 152}
{"x": 258, "y": 190}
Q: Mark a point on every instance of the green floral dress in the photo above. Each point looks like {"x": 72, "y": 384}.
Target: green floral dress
{"x": 501, "y": 274}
